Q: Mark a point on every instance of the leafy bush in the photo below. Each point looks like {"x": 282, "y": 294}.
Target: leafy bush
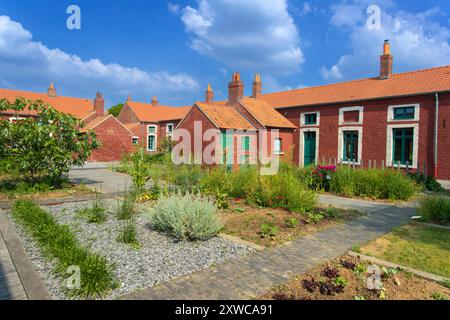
{"x": 128, "y": 235}
{"x": 186, "y": 217}
{"x": 428, "y": 182}
{"x": 43, "y": 148}
{"x": 138, "y": 170}
{"x": 126, "y": 207}
{"x": 435, "y": 209}
{"x": 17, "y": 187}
{"x": 373, "y": 183}
{"x": 58, "y": 242}
{"x": 94, "y": 214}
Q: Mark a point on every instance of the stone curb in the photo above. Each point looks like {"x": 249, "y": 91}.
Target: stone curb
{"x": 56, "y": 201}
{"x": 419, "y": 273}
{"x": 31, "y": 281}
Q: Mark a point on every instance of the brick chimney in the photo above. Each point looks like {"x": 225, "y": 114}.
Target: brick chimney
{"x": 155, "y": 102}
{"x": 99, "y": 104}
{"x": 386, "y": 61}
{"x": 235, "y": 89}
{"x": 129, "y": 98}
{"x": 257, "y": 86}
{"x": 51, "y": 91}
{"x": 209, "y": 95}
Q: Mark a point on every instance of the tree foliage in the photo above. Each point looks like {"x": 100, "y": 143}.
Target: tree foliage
{"x": 45, "y": 146}
{"x": 115, "y": 110}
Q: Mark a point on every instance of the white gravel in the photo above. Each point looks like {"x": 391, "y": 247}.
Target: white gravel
{"x": 159, "y": 258}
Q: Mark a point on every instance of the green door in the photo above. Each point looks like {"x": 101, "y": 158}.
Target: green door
{"x": 310, "y": 148}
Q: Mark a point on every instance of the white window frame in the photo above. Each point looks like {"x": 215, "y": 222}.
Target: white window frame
{"x": 170, "y": 134}
{"x": 281, "y": 146}
{"x": 303, "y": 119}
{"x": 347, "y": 109}
{"x": 416, "y": 112}
{"x": 132, "y": 140}
{"x": 389, "y": 147}
{"x": 154, "y": 126}
{"x": 341, "y": 144}
{"x": 302, "y": 144}
{"x": 156, "y": 142}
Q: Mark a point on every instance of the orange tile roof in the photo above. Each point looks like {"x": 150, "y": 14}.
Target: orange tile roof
{"x": 94, "y": 122}
{"x": 149, "y": 113}
{"x": 225, "y": 117}
{"x": 402, "y": 84}
{"x": 265, "y": 114}
{"x": 78, "y": 107}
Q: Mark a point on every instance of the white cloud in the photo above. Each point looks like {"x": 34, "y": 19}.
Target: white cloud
{"x": 31, "y": 65}
{"x": 271, "y": 84}
{"x": 417, "y": 40}
{"x": 174, "y": 8}
{"x": 250, "y": 35}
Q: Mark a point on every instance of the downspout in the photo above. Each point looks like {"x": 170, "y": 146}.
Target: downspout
{"x": 436, "y": 132}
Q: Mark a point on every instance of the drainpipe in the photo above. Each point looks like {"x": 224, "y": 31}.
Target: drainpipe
{"x": 436, "y": 132}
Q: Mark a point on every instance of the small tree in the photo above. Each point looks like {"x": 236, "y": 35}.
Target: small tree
{"x": 138, "y": 171}
{"x": 43, "y": 147}
{"x": 115, "y": 110}
{"x": 166, "y": 146}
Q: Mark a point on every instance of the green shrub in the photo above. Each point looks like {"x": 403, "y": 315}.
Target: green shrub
{"x": 428, "y": 182}
{"x": 435, "y": 209}
{"x": 138, "y": 170}
{"x": 13, "y": 188}
{"x": 268, "y": 230}
{"x": 186, "y": 217}
{"x": 58, "y": 242}
{"x": 244, "y": 181}
{"x": 372, "y": 183}
{"x": 126, "y": 206}
{"x": 94, "y": 214}
{"x": 187, "y": 178}
{"x": 128, "y": 235}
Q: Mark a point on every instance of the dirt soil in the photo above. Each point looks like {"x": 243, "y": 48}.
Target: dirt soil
{"x": 398, "y": 286}
{"x": 245, "y": 222}
{"x": 71, "y": 191}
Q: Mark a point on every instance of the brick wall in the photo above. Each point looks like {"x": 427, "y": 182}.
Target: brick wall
{"x": 115, "y": 141}
{"x": 375, "y": 130}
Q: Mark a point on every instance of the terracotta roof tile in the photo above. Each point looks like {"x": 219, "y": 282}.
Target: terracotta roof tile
{"x": 149, "y": 113}
{"x": 265, "y": 114}
{"x": 78, "y": 107}
{"x": 225, "y": 117}
{"x": 401, "y": 84}
{"x": 94, "y": 122}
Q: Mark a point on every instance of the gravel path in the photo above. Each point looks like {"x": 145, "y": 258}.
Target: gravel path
{"x": 159, "y": 258}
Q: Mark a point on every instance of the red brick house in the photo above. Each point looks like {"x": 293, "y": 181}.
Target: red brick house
{"x": 115, "y": 138}
{"x": 387, "y": 120}
{"x": 243, "y": 126}
{"x": 150, "y": 123}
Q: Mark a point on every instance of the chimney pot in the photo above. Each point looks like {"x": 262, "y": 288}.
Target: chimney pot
{"x": 155, "y": 102}
{"x": 257, "y": 86}
{"x": 209, "y": 94}
{"x": 386, "y": 62}
{"x": 51, "y": 91}
{"x": 235, "y": 89}
{"x": 129, "y": 98}
{"x": 99, "y": 104}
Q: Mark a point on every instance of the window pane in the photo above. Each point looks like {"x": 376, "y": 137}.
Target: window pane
{"x": 311, "y": 118}
{"x": 151, "y": 143}
{"x": 404, "y": 113}
{"x": 403, "y": 146}
{"x": 152, "y": 129}
{"x": 135, "y": 140}
{"x": 351, "y": 146}
{"x": 277, "y": 146}
{"x": 170, "y": 128}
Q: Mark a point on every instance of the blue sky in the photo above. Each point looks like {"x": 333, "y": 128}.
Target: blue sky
{"x": 173, "y": 49}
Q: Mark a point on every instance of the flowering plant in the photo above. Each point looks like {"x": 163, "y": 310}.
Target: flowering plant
{"x": 322, "y": 176}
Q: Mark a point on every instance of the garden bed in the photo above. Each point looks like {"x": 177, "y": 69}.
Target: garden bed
{"x": 417, "y": 246}
{"x": 333, "y": 281}
{"x": 157, "y": 258}
{"x": 270, "y": 226}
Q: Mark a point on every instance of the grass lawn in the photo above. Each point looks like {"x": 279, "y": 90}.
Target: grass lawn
{"x": 281, "y": 226}
{"x": 345, "y": 279}
{"x": 416, "y": 246}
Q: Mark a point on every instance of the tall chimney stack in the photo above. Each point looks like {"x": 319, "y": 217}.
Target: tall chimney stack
{"x": 51, "y": 91}
{"x": 99, "y": 104}
{"x": 209, "y": 95}
{"x": 386, "y": 62}
{"x": 257, "y": 86}
{"x": 235, "y": 89}
{"x": 155, "y": 102}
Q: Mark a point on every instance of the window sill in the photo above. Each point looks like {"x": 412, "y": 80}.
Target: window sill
{"x": 279, "y": 153}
